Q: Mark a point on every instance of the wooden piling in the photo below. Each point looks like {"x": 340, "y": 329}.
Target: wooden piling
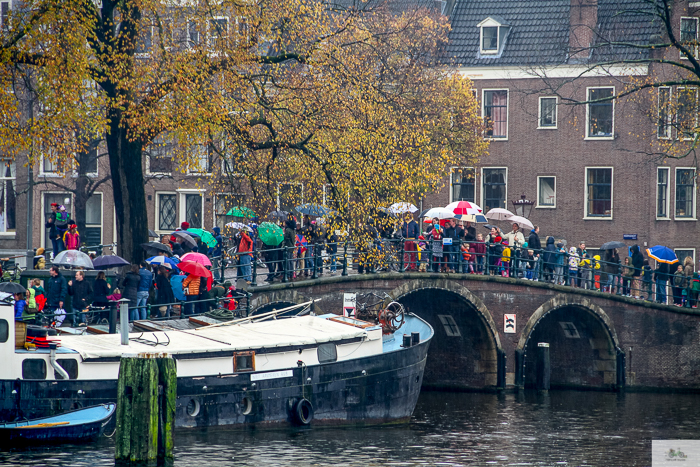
{"x": 543, "y": 366}
{"x": 146, "y": 395}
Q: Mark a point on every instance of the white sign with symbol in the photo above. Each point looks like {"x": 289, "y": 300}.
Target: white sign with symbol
{"x": 509, "y": 324}
{"x": 349, "y": 300}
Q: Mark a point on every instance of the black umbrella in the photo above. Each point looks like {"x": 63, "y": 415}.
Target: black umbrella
{"x": 11, "y": 287}
{"x": 186, "y": 237}
{"x": 152, "y": 234}
{"x": 489, "y": 226}
{"x": 612, "y": 245}
{"x": 279, "y": 214}
{"x": 109, "y": 261}
{"x": 157, "y": 246}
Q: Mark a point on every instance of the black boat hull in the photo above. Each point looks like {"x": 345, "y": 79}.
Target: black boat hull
{"x": 372, "y": 390}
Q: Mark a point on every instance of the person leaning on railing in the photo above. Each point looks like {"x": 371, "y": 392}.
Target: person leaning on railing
{"x": 409, "y": 233}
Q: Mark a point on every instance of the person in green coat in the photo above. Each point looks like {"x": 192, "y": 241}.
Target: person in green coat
{"x": 695, "y": 290}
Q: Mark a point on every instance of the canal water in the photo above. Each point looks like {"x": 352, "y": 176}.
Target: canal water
{"x": 561, "y": 428}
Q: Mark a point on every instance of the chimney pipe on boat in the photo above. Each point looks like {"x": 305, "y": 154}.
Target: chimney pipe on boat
{"x": 52, "y": 358}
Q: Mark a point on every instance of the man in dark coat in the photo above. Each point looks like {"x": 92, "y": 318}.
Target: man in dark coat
{"x": 81, "y": 291}
{"x": 661, "y": 275}
{"x": 56, "y": 291}
{"x": 409, "y": 232}
{"x": 533, "y": 243}
{"x": 550, "y": 259}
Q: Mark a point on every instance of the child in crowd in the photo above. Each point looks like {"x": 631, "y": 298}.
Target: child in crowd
{"x": 20, "y": 305}
{"x": 573, "y": 266}
{"x": 467, "y": 264}
{"x": 678, "y": 285}
{"x": 422, "y": 254}
{"x": 480, "y": 252}
{"x": 505, "y": 259}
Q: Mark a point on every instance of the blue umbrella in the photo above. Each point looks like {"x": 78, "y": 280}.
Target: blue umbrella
{"x": 314, "y": 210}
{"x": 161, "y": 260}
{"x": 663, "y": 254}
{"x": 109, "y": 261}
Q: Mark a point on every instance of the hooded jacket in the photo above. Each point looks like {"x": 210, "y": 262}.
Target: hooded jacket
{"x": 550, "y": 253}
{"x": 533, "y": 241}
{"x": 637, "y": 261}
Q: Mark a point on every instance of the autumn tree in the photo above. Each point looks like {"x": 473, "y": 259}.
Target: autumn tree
{"x": 349, "y": 97}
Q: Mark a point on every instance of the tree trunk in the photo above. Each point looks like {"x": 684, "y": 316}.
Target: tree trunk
{"x": 125, "y": 161}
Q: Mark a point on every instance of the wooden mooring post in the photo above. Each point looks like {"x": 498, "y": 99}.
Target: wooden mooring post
{"x": 146, "y": 397}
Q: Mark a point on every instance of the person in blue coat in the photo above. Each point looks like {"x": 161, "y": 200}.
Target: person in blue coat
{"x": 176, "y": 284}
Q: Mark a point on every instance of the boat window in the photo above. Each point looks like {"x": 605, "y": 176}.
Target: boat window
{"x": 68, "y": 364}
{"x": 4, "y": 330}
{"x": 243, "y": 361}
{"x": 327, "y": 353}
{"x": 33, "y": 368}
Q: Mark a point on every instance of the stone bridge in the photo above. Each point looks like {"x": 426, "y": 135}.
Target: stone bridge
{"x": 597, "y": 340}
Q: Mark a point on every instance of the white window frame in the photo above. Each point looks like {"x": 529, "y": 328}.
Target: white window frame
{"x": 679, "y": 89}
{"x": 190, "y": 44}
{"x": 289, "y": 183}
{"x": 669, "y": 114}
{"x": 156, "y": 227}
{"x": 680, "y": 260}
{"x": 588, "y": 110}
{"x": 452, "y": 169}
{"x": 694, "y": 217}
{"x": 556, "y": 113}
{"x": 102, "y": 216}
{"x": 148, "y": 161}
{"x": 9, "y": 9}
{"x": 43, "y": 207}
{"x": 42, "y": 173}
{"x": 481, "y": 185}
{"x": 191, "y": 172}
{"x": 181, "y": 203}
{"x": 554, "y": 206}
{"x": 148, "y": 53}
{"x": 585, "y": 193}
{"x": 697, "y": 31}
{"x": 209, "y": 28}
{"x": 483, "y": 112}
{"x": 489, "y": 23}
{"x": 5, "y": 234}
{"x": 668, "y": 193}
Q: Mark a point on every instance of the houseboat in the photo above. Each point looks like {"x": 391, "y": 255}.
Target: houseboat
{"x": 302, "y": 370}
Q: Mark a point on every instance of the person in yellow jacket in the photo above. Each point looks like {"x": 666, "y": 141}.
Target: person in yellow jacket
{"x": 505, "y": 260}
{"x": 596, "y": 271}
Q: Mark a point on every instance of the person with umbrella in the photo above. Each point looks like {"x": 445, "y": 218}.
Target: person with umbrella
{"x": 245, "y": 255}
{"x": 164, "y": 291}
{"x": 409, "y": 233}
{"x": 190, "y": 285}
{"x": 56, "y": 291}
{"x": 81, "y": 291}
{"x": 515, "y": 239}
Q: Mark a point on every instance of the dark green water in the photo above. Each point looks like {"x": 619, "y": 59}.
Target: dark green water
{"x": 562, "y": 428}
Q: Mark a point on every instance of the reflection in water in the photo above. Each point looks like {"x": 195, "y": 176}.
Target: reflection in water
{"x": 559, "y": 428}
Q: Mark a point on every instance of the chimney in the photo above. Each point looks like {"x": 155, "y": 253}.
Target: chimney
{"x": 583, "y": 21}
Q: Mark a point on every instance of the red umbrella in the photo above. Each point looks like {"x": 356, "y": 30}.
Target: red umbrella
{"x": 196, "y": 269}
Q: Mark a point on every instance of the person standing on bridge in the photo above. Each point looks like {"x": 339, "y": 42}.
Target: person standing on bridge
{"x": 661, "y": 274}
{"x": 436, "y": 234}
{"x": 637, "y": 264}
{"x": 409, "y": 233}
{"x": 535, "y": 245}
{"x": 515, "y": 239}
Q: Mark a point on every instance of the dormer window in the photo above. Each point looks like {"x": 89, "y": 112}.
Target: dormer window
{"x": 489, "y": 40}
{"x": 493, "y": 33}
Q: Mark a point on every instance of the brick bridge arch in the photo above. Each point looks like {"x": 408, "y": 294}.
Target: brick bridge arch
{"x": 466, "y": 352}
{"x": 282, "y": 297}
{"x": 602, "y": 338}
{"x": 412, "y": 286}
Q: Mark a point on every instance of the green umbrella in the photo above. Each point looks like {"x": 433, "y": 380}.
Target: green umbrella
{"x": 206, "y": 237}
{"x": 270, "y": 234}
{"x": 241, "y": 211}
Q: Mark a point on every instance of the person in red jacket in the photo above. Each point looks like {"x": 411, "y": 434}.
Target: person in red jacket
{"x": 245, "y": 255}
{"x": 72, "y": 238}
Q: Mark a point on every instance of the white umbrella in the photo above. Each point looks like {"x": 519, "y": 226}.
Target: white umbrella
{"x": 239, "y": 226}
{"x": 440, "y": 213}
{"x": 73, "y": 258}
{"x": 521, "y": 221}
{"x": 401, "y": 207}
{"x": 499, "y": 214}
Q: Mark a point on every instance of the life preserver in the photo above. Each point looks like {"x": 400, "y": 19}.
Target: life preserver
{"x": 303, "y": 412}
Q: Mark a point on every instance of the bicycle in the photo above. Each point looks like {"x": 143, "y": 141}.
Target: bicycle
{"x": 390, "y": 318}
{"x": 13, "y": 273}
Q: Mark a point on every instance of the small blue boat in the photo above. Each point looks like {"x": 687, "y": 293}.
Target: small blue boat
{"x": 74, "y": 426}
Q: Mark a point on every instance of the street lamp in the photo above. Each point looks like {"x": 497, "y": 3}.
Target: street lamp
{"x": 522, "y": 206}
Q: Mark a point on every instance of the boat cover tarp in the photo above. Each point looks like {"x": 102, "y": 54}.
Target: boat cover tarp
{"x": 269, "y": 334}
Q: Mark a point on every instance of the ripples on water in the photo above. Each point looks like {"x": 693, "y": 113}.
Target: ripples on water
{"x": 566, "y": 428}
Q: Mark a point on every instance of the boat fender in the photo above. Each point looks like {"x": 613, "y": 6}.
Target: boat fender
{"x": 303, "y": 412}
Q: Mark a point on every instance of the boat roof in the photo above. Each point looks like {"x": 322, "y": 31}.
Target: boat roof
{"x": 271, "y": 335}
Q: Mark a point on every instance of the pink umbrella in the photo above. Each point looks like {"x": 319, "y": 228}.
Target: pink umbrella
{"x": 196, "y": 258}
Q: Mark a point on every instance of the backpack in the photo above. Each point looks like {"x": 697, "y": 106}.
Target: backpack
{"x": 62, "y": 220}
